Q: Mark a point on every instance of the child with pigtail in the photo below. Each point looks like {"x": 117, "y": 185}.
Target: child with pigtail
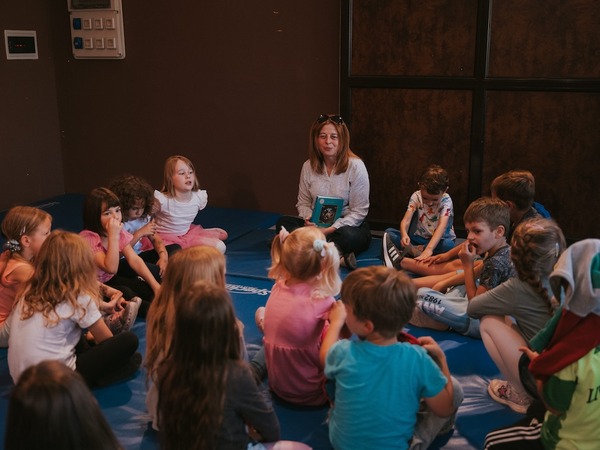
{"x": 306, "y": 271}
{"x": 513, "y": 312}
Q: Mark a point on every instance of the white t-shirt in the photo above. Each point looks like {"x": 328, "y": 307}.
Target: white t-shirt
{"x": 31, "y": 342}
{"x": 175, "y": 217}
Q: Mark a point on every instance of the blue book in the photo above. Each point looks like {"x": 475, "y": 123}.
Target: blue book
{"x": 327, "y": 210}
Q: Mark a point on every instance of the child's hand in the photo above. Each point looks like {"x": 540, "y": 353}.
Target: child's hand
{"x": 116, "y": 303}
{"x": 425, "y": 255}
{"x": 530, "y": 353}
{"x": 433, "y": 348}
{"x": 113, "y": 227}
{"x": 337, "y": 314}
{"x": 405, "y": 241}
{"x": 149, "y": 229}
{"x": 467, "y": 254}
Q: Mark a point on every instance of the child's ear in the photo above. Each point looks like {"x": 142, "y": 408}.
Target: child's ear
{"x": 500, "y": 231}
{"x": 25, "y": 241}
{"x": 369, "y": 327}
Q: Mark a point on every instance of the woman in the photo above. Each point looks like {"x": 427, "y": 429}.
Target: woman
{"x": 333, "y": 170}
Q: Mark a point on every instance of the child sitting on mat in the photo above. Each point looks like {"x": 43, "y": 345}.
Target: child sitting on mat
{"x": 513, "y": 312}
{"x": 379, "y": 383}
{"x": 207, "y": 396}
{"x": 137, "y": 203}
{"x": 434, "y": 217}
{"x": 178, "y": 204}
{"x": 306, "y": 271}
{"x": 486, "y": 220}
{"x": 103, "y": 230}
{"x": 61, "y": 301}
{"x": 25, "y": 229}
{"x": 185, "y": 268}
{"x": 565, "y": 362}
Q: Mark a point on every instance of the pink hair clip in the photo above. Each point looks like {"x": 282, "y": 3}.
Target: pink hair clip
{"x": 283, "y": 234}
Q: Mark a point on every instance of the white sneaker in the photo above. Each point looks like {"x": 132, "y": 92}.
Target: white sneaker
{"x": 503, "y": 392}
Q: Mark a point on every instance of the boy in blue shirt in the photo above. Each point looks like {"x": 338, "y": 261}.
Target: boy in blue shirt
{"x": 380, "y": 382}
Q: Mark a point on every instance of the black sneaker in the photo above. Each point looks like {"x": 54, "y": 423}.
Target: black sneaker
{"x": 392, "y": 256}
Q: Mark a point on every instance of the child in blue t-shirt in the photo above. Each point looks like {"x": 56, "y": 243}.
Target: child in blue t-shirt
{"x": 380, "y": 382}
{"x": 426, "y": 227}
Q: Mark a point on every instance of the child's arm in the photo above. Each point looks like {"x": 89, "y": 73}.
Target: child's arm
{"x": 161, "y": 249}
{"x": 435, "y": 239}
{"x": 441, "y": 404}
{"x": 442, "y": 258}
{"x": 100, "y": 331}
{"x": 109, "y": 261}
{"x": 337, "y": 319}
{"x": 404, "y": 225}
{"x": 467, "y": 256}
{"x": 139, "y": 266}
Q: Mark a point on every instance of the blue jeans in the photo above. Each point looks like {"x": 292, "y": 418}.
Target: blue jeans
{"x": 449, "y": 309}
{"x": 443, "y": 246}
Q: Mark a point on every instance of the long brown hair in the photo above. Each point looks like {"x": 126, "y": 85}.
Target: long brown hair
{"x": 64, "y": 270}
{"x": 52, "y": 407}
{"x": 317, "y": 162}
{"x": 193, "y": 377}
{"x": 185, "y": 267}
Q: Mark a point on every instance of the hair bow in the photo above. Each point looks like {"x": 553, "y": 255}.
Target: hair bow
{"x": 319, "y": 246}
{"x": 283, "y": 234}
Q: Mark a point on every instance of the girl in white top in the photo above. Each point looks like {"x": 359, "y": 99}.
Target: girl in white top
{"x": 179, "y": 202}
{"x": 61, "y": 301}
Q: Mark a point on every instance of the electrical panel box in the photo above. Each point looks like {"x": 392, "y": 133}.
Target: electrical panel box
{"x": 97, "y": 29}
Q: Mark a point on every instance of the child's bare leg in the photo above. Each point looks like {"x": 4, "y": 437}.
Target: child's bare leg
{"x": 434, "y": 281}
{"x": 422, "y": 268}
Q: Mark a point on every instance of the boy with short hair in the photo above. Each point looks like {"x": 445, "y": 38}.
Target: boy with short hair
{"x": 517, "y": 189}
{"x": 379, "y": 382}
{"x": 434, "y": 217}
{"x": 487, "y": 220}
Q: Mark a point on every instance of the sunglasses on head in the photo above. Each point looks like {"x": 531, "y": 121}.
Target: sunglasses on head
{"x": 337, "y": 119}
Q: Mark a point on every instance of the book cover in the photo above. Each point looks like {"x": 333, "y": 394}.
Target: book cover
{"x": 327, "y": 210}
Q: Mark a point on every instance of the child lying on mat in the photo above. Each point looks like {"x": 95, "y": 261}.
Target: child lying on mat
{"x": 380, "y": 382}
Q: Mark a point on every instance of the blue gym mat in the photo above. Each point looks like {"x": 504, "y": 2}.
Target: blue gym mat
{"x": 248, "y": 259}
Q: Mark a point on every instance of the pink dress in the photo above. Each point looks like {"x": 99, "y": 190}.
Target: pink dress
{"x": 294, "y": 320}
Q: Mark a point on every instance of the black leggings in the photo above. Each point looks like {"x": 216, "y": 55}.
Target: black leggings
{"x": 347, "y": 239}
{"x": 109, "y": 361}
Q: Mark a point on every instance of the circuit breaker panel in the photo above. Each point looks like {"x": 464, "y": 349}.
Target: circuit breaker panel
{"x": 97, "y": 29}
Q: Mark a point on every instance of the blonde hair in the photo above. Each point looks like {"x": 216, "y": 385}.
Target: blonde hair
{"x": 170, "y": 163}
{"x": 535, "y": 247}
{"x": 304, "y": 254}
{"x": 185, "y": 267}
{"x": 64, "y": 270}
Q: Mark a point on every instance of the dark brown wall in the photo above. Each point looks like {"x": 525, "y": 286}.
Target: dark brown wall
{"x": 234, "y": 85}
{"x": 481, "y": 88}
{"x": 30, "y": 156}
